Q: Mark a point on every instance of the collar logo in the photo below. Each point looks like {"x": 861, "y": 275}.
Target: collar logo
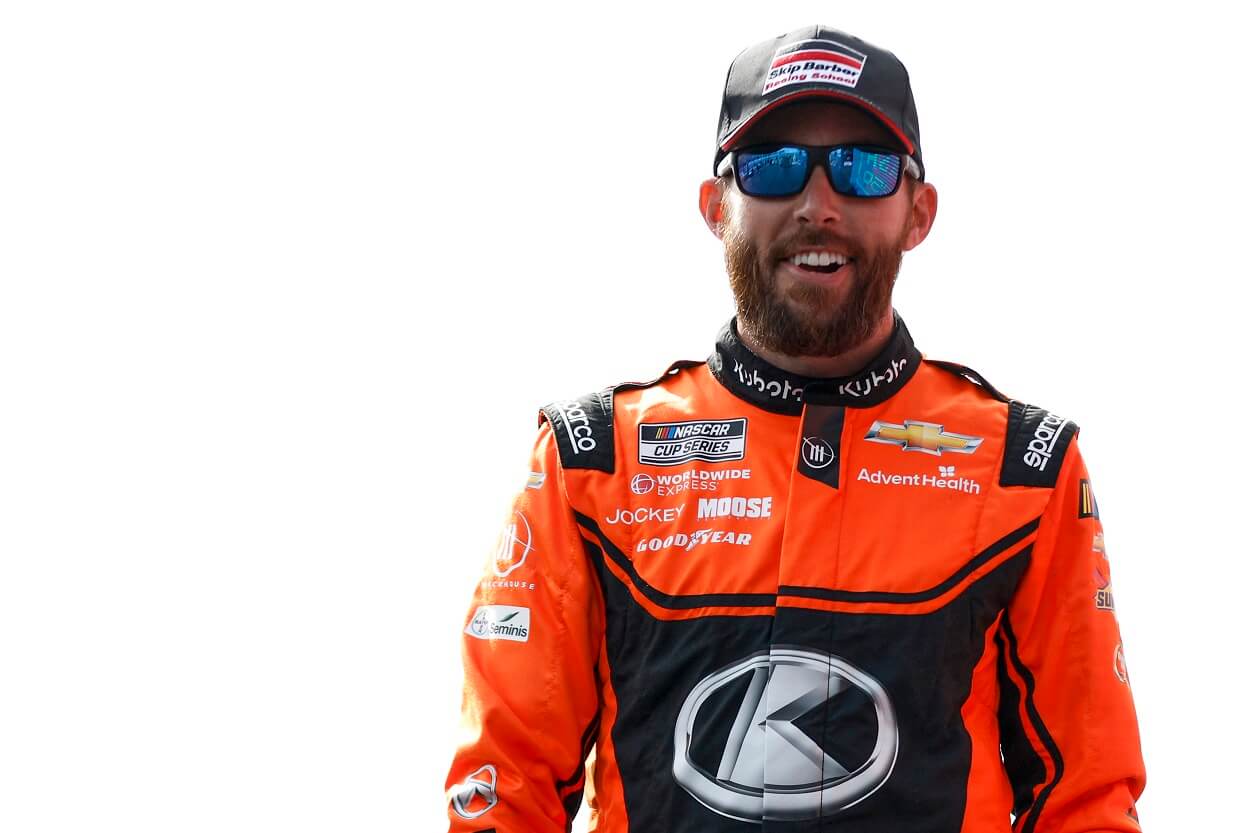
{"x": 771, "y": 764}
{"x": 928, "y": 437}
{"x": 769, "y": 387}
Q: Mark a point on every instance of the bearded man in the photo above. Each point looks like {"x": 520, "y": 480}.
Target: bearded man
{"x": 818, "y": 581}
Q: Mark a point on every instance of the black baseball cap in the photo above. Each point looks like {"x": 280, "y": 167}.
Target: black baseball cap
{"x": 817, "y": 62}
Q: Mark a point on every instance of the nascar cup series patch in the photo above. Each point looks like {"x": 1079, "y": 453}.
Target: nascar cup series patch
{"x": 814, "y": 61}
{"x": 674, "y": 443}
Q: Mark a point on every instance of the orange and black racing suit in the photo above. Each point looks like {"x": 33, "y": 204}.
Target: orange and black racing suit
{"x": 872, "y": 604}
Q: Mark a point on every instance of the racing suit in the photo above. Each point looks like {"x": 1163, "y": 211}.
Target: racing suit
{"x": 766, "y": 601}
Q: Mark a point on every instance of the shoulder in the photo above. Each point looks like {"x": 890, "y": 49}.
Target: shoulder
{"x": 584, "y": 426}
{"x": 1036, "y": 439}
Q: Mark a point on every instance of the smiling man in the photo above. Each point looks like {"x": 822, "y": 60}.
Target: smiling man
{"x": 811, "y": 270}
{"x": 818, "y": 581}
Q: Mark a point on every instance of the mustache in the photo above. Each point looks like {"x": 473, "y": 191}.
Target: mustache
{"x": 814, "y": 239}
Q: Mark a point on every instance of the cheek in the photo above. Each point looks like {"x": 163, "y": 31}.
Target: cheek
{"x": 882, "y": 226}
{"x": 756, "y": 220}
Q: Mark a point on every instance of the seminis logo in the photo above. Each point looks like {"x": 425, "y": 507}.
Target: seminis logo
{"x": 500, "y": 622}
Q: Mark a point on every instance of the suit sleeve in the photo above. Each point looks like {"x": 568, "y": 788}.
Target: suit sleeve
{"x": 530, "y": 642}
{"x": 1068, "y": 727}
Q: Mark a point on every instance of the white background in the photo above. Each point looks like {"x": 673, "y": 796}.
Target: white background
{"x": 283, "y": 285}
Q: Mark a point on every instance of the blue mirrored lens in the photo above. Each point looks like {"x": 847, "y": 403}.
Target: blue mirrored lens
{"x": 864, "y": 173}
{"x": 775, "y": 173}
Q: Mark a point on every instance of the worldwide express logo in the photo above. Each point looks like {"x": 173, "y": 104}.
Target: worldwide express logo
{"x": 674, "y": 443}
{"x": 691, "y": 480}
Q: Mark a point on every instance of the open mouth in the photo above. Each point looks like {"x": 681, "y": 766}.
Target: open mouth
{"x": 825, "y": 262}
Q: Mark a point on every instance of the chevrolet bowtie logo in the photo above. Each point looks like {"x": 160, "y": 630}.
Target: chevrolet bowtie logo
{"x": 921, "y": 436}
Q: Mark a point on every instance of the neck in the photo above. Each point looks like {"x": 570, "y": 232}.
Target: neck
{"x": 843, "y": 364}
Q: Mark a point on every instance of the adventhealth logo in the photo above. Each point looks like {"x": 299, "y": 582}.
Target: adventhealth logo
{"x": 942, "y": 481}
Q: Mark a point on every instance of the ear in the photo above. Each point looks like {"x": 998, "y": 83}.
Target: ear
{"x": 923, "y": 211}
{"x": 711, "y": 204}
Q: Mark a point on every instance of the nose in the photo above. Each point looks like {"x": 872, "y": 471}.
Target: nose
{"x": 818, "y": 204}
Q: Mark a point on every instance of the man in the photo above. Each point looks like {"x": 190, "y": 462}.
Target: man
{"x": 819, "y": 581}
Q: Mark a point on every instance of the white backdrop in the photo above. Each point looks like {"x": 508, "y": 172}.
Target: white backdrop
{"x": 282, "y": 286}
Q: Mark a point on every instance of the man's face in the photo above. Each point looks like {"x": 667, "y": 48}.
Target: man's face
{"x": 809, "y": 310}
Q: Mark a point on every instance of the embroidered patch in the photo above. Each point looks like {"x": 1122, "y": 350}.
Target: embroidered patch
{"x": 814, "y": 61}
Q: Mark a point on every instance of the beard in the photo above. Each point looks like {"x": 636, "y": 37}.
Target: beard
{"x": 807, "y": 319}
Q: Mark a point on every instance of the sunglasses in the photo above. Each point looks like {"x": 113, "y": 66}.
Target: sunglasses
{"x": 863, "y": 171}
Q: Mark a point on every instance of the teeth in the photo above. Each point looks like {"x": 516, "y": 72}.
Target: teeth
{"x": 818, "y": 259}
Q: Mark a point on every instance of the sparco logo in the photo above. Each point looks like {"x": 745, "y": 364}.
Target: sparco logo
{"x": 1043, "y": 443}
{"x": 475, "y": 795}
{"x": 500, "y": 622}
{"x": 577, "y": 426}
{"x": 770, "y": 769}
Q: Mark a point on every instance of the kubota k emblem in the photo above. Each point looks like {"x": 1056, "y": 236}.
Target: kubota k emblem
{"x": 766, "y": 739}
{"x": 921, "y": 436}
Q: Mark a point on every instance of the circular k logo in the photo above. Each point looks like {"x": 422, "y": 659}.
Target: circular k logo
{"x": 771, "y": 767}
